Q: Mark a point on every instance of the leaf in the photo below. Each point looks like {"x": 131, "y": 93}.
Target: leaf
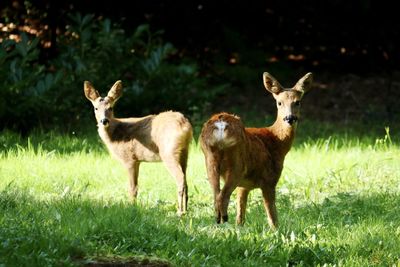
{"x": 86, "y": 34}
{"x": 21, "y": 48}
{"x": 140, "y": 30}
{"x": 48, "y": 80}
{"x": 40, "y": 87}
{"x": 33, "y": 44}
{"x": 86, "y": 20}
{"x": 107, "y": 26}
{"x": 292, "y": 237}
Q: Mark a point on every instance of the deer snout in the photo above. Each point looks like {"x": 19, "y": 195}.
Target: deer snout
{"x": 290, "y": 119}
{"x": 104, "y": 121}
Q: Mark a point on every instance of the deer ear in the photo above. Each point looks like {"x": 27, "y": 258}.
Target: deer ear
{"x": 90, "y": 92}
{"x": 304, "y": 84}
{"x": 115, "y": 91}
{"x": 271, "y": 84}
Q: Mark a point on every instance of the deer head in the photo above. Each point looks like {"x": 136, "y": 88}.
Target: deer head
{"x": 103, "y": 106}
{"x": 288, "y": 99}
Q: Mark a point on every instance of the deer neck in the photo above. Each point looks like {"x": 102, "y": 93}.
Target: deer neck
{"x": 284, "y": 134}
{"x": 107, "y": 133}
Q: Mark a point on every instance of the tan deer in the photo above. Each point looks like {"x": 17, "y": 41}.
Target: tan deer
{"x": 164, "y": 137}
{"x": 249, "y": 158}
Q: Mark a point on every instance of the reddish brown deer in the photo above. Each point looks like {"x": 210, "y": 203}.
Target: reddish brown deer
{"x": 249, "y": 158}
{"x": 164, "y": 137}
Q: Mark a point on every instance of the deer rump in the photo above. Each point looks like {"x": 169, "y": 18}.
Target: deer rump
{"x": 230, "y": 147}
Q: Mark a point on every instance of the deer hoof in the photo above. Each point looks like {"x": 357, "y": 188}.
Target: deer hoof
{"x": 180, "y": 213}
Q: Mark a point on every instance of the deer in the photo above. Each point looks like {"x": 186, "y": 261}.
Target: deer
{"x": 163, "y": 137}
{"x": 250, "y": 158}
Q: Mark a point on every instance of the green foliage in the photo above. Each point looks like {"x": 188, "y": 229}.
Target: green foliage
{"x": 24, "y": 83}
{"x": 37, "y": 94}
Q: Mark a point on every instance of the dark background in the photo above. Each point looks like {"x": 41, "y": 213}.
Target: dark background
{"x": 357, "y": 36}
{"x": 352, "y": 47}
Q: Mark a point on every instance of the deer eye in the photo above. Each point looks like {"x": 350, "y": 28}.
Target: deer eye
{"x": 95, "y": 108}
{"x": 279, "y": 103}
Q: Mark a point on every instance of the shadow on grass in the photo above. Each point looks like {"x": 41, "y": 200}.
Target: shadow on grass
{"x": 74, "y": 231}
{"x": 346, "y": 209}
{"x": 339, "y": 211}
{"x": 344, "y": 226}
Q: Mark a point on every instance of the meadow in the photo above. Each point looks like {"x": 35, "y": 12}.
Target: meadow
{"x": 64, "y": 202}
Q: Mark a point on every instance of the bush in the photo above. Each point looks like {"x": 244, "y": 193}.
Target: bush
{"x": 46, "y": 94}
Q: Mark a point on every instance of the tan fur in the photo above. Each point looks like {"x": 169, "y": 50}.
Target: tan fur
{"x": 249, "y": 158}
{"x": 164, "y": 137}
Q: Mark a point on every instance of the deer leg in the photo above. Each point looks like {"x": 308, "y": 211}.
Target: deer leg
{"x": 269, "y": 204}
{"x": 213, "y": 179}
{"x": 175, "y": 170}
{"x": 225, "y": 194}
{"x": 242, "y": 196}
{"x": 183, "y": 162}
{"x": 133, "y": 172}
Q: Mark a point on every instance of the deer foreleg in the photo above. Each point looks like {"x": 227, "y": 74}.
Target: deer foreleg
{"x": 133, "y": 172}
{"x": 270, "y": 208}
{"x": 242, "y": 196}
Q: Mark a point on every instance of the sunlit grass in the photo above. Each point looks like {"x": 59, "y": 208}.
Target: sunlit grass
{"x": 64, "y": 201}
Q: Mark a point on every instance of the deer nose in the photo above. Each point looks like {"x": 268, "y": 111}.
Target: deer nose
{"x": 290, "y": 119}
{"x": 104, "y": 121}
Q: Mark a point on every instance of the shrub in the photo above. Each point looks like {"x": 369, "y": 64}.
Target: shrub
{"x": 45, "y": 94}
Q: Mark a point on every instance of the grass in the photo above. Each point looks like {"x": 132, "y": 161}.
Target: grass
{"x": 64, "y": 202}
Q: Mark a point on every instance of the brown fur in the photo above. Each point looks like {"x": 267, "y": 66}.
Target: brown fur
{"x": 164, "y": 137}
{"x": 249, "y": 158}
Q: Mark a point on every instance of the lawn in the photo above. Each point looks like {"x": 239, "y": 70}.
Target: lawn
{"x": 64, "y": 202}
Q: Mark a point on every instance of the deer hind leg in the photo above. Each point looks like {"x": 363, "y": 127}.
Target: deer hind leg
{"x": 133, "y": 172}
{"x": 213, "y": 178}
{"x": 225, "y": 194}
{"x": 173, "y": 164}
{"x": 269, "y": 204}
{"x": 183, "y": 162}
{"x": 242, "y": 196}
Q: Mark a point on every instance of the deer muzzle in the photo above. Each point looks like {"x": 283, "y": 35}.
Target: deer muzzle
{"x": 290, "y": 119}
{"x": 104, "y": 121}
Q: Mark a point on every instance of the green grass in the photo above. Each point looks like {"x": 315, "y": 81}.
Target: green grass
{"x": 64, "y": 202}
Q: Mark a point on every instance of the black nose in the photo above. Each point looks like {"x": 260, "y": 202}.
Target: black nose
{"x": 104, "y": 121}
{"x": 290, "y": 119}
